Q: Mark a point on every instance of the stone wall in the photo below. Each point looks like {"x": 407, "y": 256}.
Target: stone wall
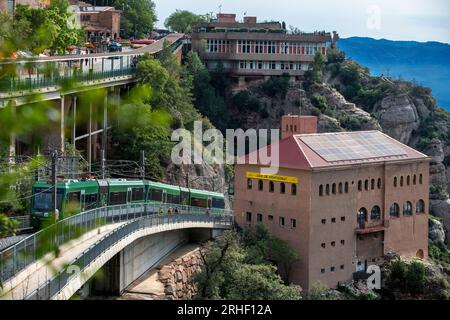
{"x": 177, "y": 276}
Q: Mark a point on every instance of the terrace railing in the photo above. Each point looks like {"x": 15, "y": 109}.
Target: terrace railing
{"x": 18, "y": 257}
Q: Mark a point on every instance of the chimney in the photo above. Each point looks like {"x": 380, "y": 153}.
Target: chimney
{"x": 292, "y": 124}
{"x": 226, "y": 18}
{"x": 250, "y": 20}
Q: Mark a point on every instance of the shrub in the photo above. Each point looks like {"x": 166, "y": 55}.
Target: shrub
{"x": 315, "y": 112}
{"x": 276, "y": 86}
{"x": 244, "y": 100}
{"x": 319, "y": 102}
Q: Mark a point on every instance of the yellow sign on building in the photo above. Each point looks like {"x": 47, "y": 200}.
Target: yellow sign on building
{"x": 271, "y": 177}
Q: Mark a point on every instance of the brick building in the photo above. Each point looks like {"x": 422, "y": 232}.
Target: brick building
{"x": 252, "y": 49}
{"x": 341, "y": 200}
{"x": 99, "y": 23}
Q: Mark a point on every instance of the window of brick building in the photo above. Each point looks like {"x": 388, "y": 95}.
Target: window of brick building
{"x": 322, "y": 270}
{"x": 340, "y": 188}
{"x": 407, "y": 208}
{"x": 333, "y": 243}
{"x": 323, "y": 245}
{"x": 394, "y": 211}
{"x": 270, "y": 217}
{"x": 332, "y": 269}
{"x": 343, "y": 242}
{"x": 271, "y": 186}
{"x": 395, "y": 181}
{"x": 333, "y": 220}
{"x": 379, "y": 183}
{"x": 249, "y": 184}
{"x": 324, "y": 221}
{"x": 259, "y": 217}
{"x": 342, "y": 219}
{"x": 401, "y": 181}
{"x": 260, "y": 185}
{"x": 420, "y": 179}
{"x": 294, "y": 189}
{"x": 321, "y": 190}
{"x": 346, "y": 187}
{"x": 333, "y": 188}
{"x": 248, "y": 217}
{"x": 366, "y": 185}
{"x": 372, "y": 184}
{"x": 414, "y": 179}
{"x": 359, "y": 185}
{"x": 293, "y": 223}
{"x": 420, "y": 206}
{"x": 282, "y": 188}
{"x": 327, "y": 189}
{"x": 408, "y": 180}
{"x": 282, "y": 221}
{"x": 342, "y": 267}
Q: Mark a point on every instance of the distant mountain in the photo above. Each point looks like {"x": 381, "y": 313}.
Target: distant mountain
{"x": 426, "y": 63}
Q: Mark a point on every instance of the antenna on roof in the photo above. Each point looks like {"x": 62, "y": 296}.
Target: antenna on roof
{"x": 220, "y": 9}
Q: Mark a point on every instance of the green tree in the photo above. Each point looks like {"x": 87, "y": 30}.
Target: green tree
{"x": 226, "y": 274}
{"x": 46, "y": 28}
{"x": 207, "y": 100}
{"x": 138, "y": 17}
{"x": 182, "y": 21}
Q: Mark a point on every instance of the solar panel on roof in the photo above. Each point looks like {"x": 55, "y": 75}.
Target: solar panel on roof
{"x": 352, "y": 146}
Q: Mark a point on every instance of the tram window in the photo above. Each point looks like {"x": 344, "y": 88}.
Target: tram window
{"x": 42, "y": 200}
{"x": 137, "y": 194}
{"x": 197, "y": 202}
{"x": 156, "y": 195}
{"x": 171, "y": 198}
{"x": 218, "y": 203}
{"x": 116, "y": 198}
{"x": 90, "y": 201}
{"x": 74, "y": 198}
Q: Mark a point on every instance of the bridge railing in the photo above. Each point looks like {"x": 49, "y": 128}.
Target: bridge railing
{"x": 51, "y": 287}
{"x": 25, "y": 84}
{"x": 18, "y": 257}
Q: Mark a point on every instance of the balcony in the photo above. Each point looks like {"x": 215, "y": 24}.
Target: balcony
{"x": 366, "y": 228}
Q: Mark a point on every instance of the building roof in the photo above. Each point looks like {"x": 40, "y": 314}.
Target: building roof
{"x": 322, "y": 150}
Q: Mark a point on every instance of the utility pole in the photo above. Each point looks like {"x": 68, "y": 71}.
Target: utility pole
{"x": 143, "y": 164}
{"x": 103, "y": 164}
{"x": 187, "y": 180}
{"x": 300, "y": 102}
{"x": 54, "y": 190}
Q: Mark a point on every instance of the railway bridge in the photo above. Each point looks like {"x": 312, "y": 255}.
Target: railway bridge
{"x": 119, "y": 242}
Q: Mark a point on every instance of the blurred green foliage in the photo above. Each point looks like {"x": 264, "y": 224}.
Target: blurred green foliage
{"x": 236, "y": 269}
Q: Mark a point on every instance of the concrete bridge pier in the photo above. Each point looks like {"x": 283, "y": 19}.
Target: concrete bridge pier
{"x": 139, "y": 257}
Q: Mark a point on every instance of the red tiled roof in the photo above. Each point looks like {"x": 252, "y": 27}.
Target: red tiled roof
{"x": 308, "y": 151}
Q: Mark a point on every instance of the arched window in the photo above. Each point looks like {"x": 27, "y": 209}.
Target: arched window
{"x": 294, "y": 189}
{"x": 401, "y": 181}
{"x": 408, "y": 180}
{"x": 340, "y": 188}
{"x": 394, "y": 212}
{"x": 362, "y": 217}
{"x": 420, "y": 178}
{"x": 359, "y": 185}
{"x": 407, "y": 208}
{"x": 372, "y": 184}
{"x": 321, "y": 190}
{"x": 375, "y": 214}
{"x": 333, "y": 188}
{"x": 260, "y": 185}
{"x": 379, "y": 183}
{"x": 282, "y": 188}
{"x": 366, "y": 185}
{"x": 327, "y": 189}
{"x": 271, "y": 186}
{"x": 414, "y": 179}
{"x": 346, "y": 187}
{"x": 249, "y": 183}
{"x": 395, "y": 181}
{"x": 420, "y": 206}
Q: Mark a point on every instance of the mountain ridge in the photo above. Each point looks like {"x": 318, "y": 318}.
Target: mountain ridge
{"x": 425, "y": 63}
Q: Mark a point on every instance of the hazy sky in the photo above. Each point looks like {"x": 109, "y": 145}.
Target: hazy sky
{"x": 420, "y": 20}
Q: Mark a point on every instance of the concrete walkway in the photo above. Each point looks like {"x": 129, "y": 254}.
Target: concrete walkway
{"x": 40, "y": 271}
